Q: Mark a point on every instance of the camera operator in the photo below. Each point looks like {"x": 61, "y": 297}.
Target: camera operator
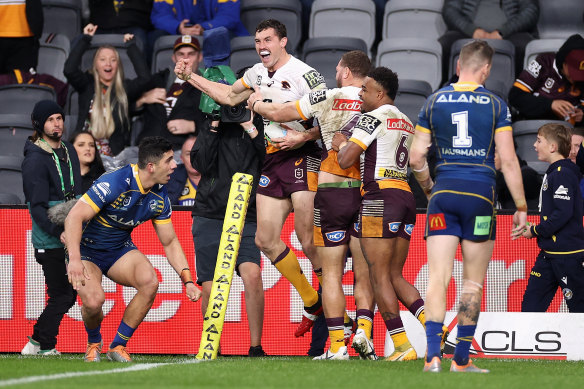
{"x": 224, "y": 147}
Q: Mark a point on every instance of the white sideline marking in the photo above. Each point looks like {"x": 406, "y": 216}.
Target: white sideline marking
{"x": 28, "y": 380}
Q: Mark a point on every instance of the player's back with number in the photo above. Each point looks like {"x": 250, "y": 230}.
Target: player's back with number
{"x": 463, "y": 119}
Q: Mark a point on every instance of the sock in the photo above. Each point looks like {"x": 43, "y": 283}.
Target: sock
{"x": 336, "y": 333}
{"x": 433, "y": 337}
{"x": 417, "y": 309}
{"x": 318, "y": 273}
{"x": 123, "y": 335}
{"x": 397, "y": 332}
{"x": 93, "y": 335}
{"x": 365, "y": 321}
{"x": 287, "y": 264}
{"x": 463, "y": 341}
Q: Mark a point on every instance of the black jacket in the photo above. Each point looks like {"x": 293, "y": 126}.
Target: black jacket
{"x": 560, "y": 232}
{"x": 131, "y": 13}
{"x": 217, "y": 156}
{"x": 186, "y": 107}
{"x": 42, "y": 188}
{"x": 83, "y": 82}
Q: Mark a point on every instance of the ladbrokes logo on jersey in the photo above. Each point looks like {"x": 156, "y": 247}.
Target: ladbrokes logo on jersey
{"x": 436, "y": 221}
{"x": 347, "y": 105}
{"x": 400, "y": 124}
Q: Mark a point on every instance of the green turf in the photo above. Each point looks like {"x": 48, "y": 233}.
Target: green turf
{"x": 283, "y": 372}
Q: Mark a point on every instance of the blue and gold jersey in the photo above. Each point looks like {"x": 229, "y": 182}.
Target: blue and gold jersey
{"x": 122, "y": 204}
{"x": 463, "y": 120}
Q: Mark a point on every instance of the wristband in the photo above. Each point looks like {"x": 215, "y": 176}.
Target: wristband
{"x": 254, "y": 103}
{"x": 185, "y": 276}
{"x": 422, "y": 169}
{"x": 189, "y": 282}
{"x": 522, "y": 208}
{"x": 251, "y": 130}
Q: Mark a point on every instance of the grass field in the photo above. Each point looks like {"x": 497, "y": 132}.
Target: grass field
{"x": 69, "y": 371}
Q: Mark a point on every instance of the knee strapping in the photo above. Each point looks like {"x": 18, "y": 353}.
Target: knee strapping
{"x": 469, "y": 286}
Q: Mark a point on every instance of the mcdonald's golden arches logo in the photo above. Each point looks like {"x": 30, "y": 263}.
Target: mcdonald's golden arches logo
{"x": 436, "y": 221}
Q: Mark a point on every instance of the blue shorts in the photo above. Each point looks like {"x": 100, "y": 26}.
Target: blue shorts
{"x": 105, "y": 259}
{"x": 462, "y": 208}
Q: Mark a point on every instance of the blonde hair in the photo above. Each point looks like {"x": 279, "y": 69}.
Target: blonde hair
{"x": 102, "y": 120}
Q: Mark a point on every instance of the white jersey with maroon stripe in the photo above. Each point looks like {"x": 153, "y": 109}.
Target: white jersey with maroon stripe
{"x": 336, "y": 109}
{"x": 386, "y": 135}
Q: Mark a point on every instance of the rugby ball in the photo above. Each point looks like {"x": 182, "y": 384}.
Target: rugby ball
{"x": 276, "y": 130}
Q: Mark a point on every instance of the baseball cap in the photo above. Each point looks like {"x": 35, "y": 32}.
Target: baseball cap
{"x": 187, "y": 40}
{"x": 575, "y": 63}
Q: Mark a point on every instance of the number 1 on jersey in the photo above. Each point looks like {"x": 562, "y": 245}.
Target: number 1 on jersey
{"x": 460, "y": 119}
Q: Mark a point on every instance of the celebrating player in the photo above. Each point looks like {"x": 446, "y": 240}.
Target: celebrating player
{"x": 465, "y": 122}
{"x": 118, "y": 202}
{"x": 289, "y": 178}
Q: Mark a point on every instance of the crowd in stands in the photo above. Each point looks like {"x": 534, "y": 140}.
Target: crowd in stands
{"x": 118, "y": 104}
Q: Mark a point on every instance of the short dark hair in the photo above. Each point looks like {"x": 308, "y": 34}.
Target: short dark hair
{"x": 558, "y": 134}
{"x": 277, "y": 25}
{"x": 387, "y": 79}
{"x": 358, "y": 62}
{"x": 151, "y": 149}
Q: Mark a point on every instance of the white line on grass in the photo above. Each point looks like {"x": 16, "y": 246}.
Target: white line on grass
{"x": 144, "y": 366}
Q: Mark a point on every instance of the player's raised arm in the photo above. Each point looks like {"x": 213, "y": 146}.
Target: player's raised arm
{"x": 221, "y": 93}
{"x": 79, "y": 214}
{"x": 176, "y": 257}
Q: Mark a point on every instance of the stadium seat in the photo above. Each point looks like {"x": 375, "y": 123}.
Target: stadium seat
{"x": 243, "y": 53}
{"x": 411, "y": 96}
{"x": 343, "y": 19}
{"x": 497, "y": 87}
{"x": 21, "y": 98}
{"x": 413, "y": 19}
{"x": 324, "y": 54}
{"x": 14, "y": 130}
{"x": 62, "y": 17}
{"x": 540, "y": 46}
{"x": 117, "y": 41}
{"x": 412, "y": 58}
{"x": 11, "y": 175}
{"x": 53, "y": 52}
{"x": 560, "y": 18}
{"x": 286, "y": 11}
{"x": 525, "y": 135}
{"x": 503, "y": 60}
{"x": 9, "y": 198}
{"x": 162, "y": 52}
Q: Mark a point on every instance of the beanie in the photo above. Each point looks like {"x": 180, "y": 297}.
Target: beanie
{"x": 42, "y": 111}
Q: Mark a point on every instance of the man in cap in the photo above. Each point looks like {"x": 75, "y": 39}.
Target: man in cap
{"x": 50, "y": 175}
{"x": 171, "y": 106}
{"x": 551, "y": 87}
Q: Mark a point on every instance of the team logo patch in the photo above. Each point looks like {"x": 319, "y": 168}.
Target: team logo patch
{"x": 185, "y": 191}
{"x": 568, "y": 294}
{"x": 313, "y": 79}
{"x": 299, "y": 173}
{"x": 264, "y": 181}
{"x": 394, "y": 226}
{"x": 544, "y": 185}
{"x": 317, "y": 96}
{"x": 436, "y": 222}
{"x": 126, "y": 201}
{"x": 549, "y": 83}
{"x": 533, "y": 68}
{"x": 482, "y": 225}
{"x": 152, "y": 205}
{"x": 335, "y": 236}
{"x": 368, "y": 123}
{"x": 409, "y": 229}
{"x": 285, "y": 85}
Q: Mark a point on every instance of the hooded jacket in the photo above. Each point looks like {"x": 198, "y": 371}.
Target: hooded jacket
{"x": 560, "y": 233}
{"x": 42, "y": 189}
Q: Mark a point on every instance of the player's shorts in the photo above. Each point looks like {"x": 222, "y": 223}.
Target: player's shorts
{"x": 387, "y": 213}
{"x": 105, "y": 259}
{"x": 462, "y": 208}
{"x": 207, "y": 234}
{"x": 547, "y": 275}
{"x": 336, "y": 213}
{"x": 286, "y": 172}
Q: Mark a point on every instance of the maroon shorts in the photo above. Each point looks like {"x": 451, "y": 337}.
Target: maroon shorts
{"x": 336, "y": 215}
{"x": 387, "y": 213}
{"x": 286, "y": 172}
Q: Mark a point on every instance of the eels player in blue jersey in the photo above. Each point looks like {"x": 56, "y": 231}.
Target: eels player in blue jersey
{"x": 465, "y": 122}
{"x": 98, "y": 237}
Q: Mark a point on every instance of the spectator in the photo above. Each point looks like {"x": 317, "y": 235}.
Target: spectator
{"x": 577, "y": 139}
{"x": 171, "y": 107}
{"x": 89, "y": 159}
{"x": 110, "y": 124}
{"x": 21, "y": 26}
{"x": 50, "y": 174}
{"x": 17, "y": 76}
{"x": 182, "y": 187}
{"x": 551, "y": 85}
{"x": 513, "y": 20}
{"x": 124, "y": 17}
